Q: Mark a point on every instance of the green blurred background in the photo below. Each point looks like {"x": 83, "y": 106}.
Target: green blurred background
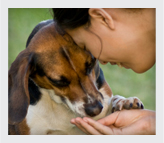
{"x": 122, "y": 81}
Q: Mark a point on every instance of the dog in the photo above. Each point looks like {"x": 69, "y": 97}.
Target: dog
{"x": 53, "y": 81}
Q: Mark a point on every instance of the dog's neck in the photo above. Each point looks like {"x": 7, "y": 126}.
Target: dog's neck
{"x": 50, "y": 117}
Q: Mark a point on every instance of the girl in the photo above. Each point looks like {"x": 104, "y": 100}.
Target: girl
{"x": 125, "y": 37}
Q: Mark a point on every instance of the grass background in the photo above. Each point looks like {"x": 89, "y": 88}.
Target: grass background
{"x": 122, "y": 81}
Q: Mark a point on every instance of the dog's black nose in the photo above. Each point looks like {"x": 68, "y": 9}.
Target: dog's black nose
{"x": 93, "y": 109}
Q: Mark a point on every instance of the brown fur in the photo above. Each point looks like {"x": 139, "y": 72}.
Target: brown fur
{"x": 19, "y": 129}
{"x": 57, "y": 56}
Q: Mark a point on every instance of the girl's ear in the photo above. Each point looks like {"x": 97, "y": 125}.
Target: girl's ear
{"x": 101, "y": 15}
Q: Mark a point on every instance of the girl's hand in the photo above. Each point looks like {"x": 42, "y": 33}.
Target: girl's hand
{"x": 125, "y": 122}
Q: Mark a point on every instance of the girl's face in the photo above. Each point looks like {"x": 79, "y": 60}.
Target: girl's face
{"x": 131, "y": 42}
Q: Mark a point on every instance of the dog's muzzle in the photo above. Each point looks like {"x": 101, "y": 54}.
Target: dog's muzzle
{"x": 93, "y": 109}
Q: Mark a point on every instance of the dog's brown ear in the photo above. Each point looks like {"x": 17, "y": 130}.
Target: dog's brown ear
{"x": 18, "y": 98}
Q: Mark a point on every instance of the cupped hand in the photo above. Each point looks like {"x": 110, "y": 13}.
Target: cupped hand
{"x": 125, "y": 122}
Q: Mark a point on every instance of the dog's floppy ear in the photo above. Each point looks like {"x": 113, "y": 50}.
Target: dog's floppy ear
{"x": 18, "y": 98}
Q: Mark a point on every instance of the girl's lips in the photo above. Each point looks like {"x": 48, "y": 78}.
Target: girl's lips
{"x": 103, "y": 62}
{"x": 112, "y": 63}
{"x": 119, "y": 64}
{"x": 126, "y": 67}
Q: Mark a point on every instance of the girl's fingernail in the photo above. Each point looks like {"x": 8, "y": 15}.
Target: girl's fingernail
{"x": 72, "y": 120}
{"x": 77, "y": 121}
{"x": 85, "y": 119}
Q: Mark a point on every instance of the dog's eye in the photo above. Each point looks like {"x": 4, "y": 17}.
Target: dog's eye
{"x": 59, "y": 83}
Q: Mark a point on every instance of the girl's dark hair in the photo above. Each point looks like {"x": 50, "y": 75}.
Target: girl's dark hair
{"x": 70, "y": 18}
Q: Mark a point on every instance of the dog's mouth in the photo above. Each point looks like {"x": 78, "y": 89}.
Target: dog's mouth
{"x": 91, "y": 107}
{"x": 82, "y": 109}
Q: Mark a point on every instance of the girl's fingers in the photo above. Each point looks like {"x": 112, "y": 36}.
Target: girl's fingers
{"x": 77, "y": 123}
{"x": 110, "y": 119}
{"x": 79, "y": 126}
{"x": 86, "y": 127}
{"x": 98, "y": 127}
{"x": 101, "y": 126}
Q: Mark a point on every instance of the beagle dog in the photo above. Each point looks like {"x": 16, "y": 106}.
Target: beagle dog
{"x": 53, "y": 81}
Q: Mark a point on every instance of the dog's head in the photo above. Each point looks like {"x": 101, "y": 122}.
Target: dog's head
{"x": 55, "y": 62}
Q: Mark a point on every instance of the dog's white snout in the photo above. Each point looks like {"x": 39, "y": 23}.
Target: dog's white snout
{"x": 89, "y": 99}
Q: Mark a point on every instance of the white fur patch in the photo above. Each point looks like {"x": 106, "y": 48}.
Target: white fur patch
{"x": 53, "y": 96}
{"x": 116, "y": 98}
{"x": 48, "y": 116}
{"x": 76, "y": 107}
{"x": 120, "y": 102}
{"x": 70, "y": 105}
{"x": 90, "y": 99}
{"x": 51, "y": 116}
{"x": 43, "y": 21}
